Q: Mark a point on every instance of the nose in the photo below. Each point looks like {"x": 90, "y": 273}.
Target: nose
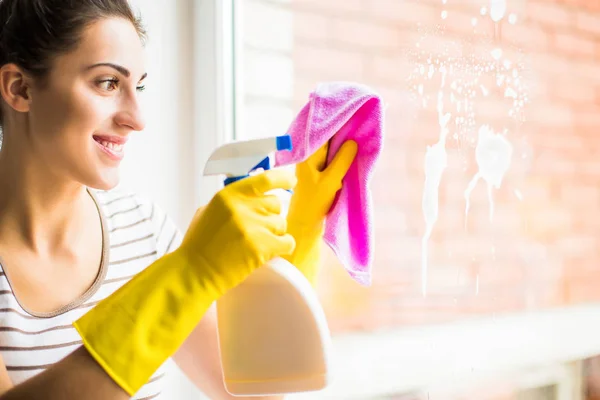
{"x": 131, "y": 115}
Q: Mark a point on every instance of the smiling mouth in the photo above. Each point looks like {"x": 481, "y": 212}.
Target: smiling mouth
{"x": 114, "y": 150}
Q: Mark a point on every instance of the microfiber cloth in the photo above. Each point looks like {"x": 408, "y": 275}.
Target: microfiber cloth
{"x": 343, "y": 111}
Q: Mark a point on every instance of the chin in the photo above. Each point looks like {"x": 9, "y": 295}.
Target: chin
{"x": 106, "y": 181}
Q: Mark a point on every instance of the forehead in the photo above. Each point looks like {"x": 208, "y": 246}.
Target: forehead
{"x": 112, "y": 40}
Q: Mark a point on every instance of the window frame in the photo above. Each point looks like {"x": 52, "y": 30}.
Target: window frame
{"x": 214, "y": 106}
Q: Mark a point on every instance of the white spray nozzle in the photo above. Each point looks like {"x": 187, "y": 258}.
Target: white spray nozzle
{"x": 237, "y": 159}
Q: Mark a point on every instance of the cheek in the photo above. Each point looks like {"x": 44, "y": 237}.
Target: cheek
{"x": 89, "y": 113}
{"x": 69, "y": 115}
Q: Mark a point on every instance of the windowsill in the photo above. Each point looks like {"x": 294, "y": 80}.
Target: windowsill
{"x": 413, "y": 359}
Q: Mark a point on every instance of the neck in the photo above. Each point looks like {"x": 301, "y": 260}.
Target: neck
{"x": 39, "y": 209}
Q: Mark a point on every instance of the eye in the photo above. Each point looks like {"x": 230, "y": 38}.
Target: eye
{"x": 109, "y": 84}
{"x": 141, "y": 88}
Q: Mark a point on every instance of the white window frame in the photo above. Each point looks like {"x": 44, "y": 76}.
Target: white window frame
{"x": 214, "y": 95}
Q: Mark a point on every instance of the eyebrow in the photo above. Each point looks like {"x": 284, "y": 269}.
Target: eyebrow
{"x": 121, "y": 69}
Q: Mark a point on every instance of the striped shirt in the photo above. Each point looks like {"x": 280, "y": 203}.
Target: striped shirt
{"x": 135, "y": 233}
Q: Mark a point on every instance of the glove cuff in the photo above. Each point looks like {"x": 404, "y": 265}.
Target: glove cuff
{"x": 135, "y": 330}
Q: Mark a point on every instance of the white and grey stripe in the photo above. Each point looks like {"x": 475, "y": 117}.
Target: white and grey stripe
{"x": 136, "y": 232}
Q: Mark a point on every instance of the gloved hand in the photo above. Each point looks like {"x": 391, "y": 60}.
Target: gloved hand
{"x": 312, "y": 198}
{"x": 135, "y": 330}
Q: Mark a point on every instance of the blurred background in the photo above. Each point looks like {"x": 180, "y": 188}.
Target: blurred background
{"x": 501, "y": 300}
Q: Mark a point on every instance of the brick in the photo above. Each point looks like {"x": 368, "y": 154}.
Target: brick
{"x": 478, "y": 220}
{"x": 499, "y": 275}
{"x": 434, "y": 46}
{"x": 399, "y": 108}
{"x": 390, "y": 220}
{"x": 553, "y": 220}
{"x": 591, "y": 167}
{"x": 570, "y": 44}
{"x": 577, "y": 195}
{"x": 588, "y": 5}
{"x": 527, "y": 37}
{"x": 506, "y": 216}
{"x": 460, "y": 22}
{"x": 583, "y": 290}
{"x": 468, "y": 246}
{"x": 328, "y": 63}
{"x": 389, "y": 193}
{"x": 490, "y": 109}
{"x": 551, "y": 14}
{"x": 563, "y": 144}
{"x": 392, "y": 69}
{"x": 404, "y": 12}
{"x": 364, "y": 33}
{"x": 311, "y": 26}
{"x": 453, "y": 189}
{"x": 587, "y": 117}
{"x": 498, "y": 298}
{"x": 577, "y": 245}
{"x": 574, "y": 91}
{"x": 538, "y": 88}
{"x": 546, "y": 294}
{"x": 389, "y": 251}
{"x": 391, "y": 163}
{"x": 536, "y": 257}
{"x": 391, "y": 281}
{"x": 473, "y": 5}
{"x": 550, "y": 114}
{"x": 588, "y": 23}
{"x": 267, "y": 26}
{"x": 535, "y": 190}
{"x": 586, "y": 71}
{"x": 335, "y": 7}
{"x": 586, "y": 222}
{"x": 550, "y": 65}
{"x": 553, "y": 163}
{"x": 446, "y": 278}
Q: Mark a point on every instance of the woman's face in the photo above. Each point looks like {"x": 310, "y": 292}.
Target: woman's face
{"x": 81, "y": 119}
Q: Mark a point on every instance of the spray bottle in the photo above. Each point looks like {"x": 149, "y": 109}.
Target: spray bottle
{"x": 273, "y": 333}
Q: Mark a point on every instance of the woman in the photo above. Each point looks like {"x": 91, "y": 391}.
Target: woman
{"x": 97, "y": 286}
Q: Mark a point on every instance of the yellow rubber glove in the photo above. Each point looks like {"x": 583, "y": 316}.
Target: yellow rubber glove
{"x": 135, "y": 330}
{"x": 312, "y": 198}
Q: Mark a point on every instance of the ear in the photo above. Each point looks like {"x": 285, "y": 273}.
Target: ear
{"x": 15, "y": 87}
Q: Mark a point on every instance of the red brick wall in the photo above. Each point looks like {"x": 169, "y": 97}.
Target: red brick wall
{"x": 547, "y": 245}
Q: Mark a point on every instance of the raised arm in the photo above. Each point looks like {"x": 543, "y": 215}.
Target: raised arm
{"x": 130, "y": 334}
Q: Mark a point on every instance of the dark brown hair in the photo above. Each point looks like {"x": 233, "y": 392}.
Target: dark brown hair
{"x": 34, "y": 32}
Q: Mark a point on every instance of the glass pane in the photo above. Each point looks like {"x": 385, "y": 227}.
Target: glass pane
{"x": 492, "y": 113}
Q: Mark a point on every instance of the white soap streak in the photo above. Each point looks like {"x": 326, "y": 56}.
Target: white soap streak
{"x": 436, "y": 161}
{"x": 493, "y": 154}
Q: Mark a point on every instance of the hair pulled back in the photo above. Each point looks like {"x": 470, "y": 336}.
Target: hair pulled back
{"x": 34, "y": 32}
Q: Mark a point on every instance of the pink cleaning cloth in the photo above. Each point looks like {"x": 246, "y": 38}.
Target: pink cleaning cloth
{"x": 341, "y": 111}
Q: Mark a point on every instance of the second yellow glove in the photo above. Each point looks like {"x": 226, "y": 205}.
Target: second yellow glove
{"x": 312, "y": 198}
